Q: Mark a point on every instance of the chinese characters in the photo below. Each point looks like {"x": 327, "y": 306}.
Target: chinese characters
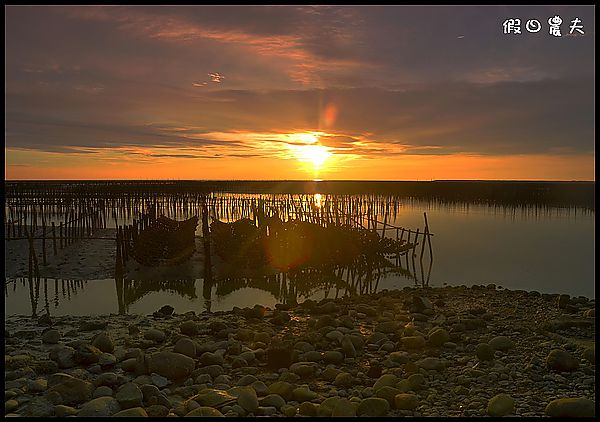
{"x": 513, "y": 26}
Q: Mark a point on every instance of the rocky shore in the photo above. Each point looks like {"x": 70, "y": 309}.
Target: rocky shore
{"x": 452, "y": 351}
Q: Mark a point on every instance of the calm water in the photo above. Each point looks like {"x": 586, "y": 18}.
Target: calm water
{"x": 548, "y": 250}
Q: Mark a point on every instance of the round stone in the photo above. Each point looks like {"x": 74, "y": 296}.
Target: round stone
{"x": 571, "y": 407}
{"x": 501, "y": 405}
{"x": 406, "y": 401}
{"x": 373, "y": 406}
{"x": 484, "y": 351}
{"x": 51, "y": 337}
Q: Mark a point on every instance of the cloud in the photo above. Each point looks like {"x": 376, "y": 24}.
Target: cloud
{"x": 216, "y": 77}
{"x": 399, "y": 80}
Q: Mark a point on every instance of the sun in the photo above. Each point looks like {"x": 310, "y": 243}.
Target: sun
{"x": 306, "y": 148}
{"x": 315, "y": 154}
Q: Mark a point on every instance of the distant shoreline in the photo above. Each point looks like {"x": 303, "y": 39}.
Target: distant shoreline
{"x": 578, "y": 194}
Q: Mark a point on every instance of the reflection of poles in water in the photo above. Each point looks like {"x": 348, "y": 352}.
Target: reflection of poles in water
{"x": 31, "y": 296}
{"x": 46, "y": 303}
{"x": 208, "y": 279}
{"x": 55, "y": 293}
{"x": 207, "y": 289}
{"x": 119, "y": 287}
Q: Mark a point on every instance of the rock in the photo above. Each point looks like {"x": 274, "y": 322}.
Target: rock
{"x": 374, "y": 370}
{"x": 212, "y": 370}
{"x": 279, "y": 355}
{"x": 205, "y": 411}
{"x": 333, "y": 356}
{"x": 571, "y": 407}
{"x": 303, "y": 370}
{"x": 387, "y": 327}
{"x": 302, "y": 394}
{"x": 102, "y": 406}
{"x": 281, "y": 318}
{"x": 129, "y": 395}
{"x": 108, "y": 378}
{"x": 165, "y": 311}
{"x": 133, "y": 330}
{"x": 501, "y": 405}
{"x": 129, "y": 365}
{"x": 348, "y": 347}
{"x": 501, "y": 343}
{"x": 344, "y": 407}
{"x": 563, "y": 301}
{"x": 63, "y": 356}
{"x": 373, "y": 406}
{"x": 589, "y": 313}
{"x": 11, "y": 405}
{"x": 72, "y": 390}
{"x": 416, "y": 381}
{"x": 307, "y": 409}
{"x": 133, "y": 412}
{"x": 38, "y": 407}
{"x": 289, "y": 411}
{"x": 213, "y": 398}
{"x": 107, "y": 360}
{"x": 312, "y": 356}
{"x": 438, "y": 337}
{"x": 61, "y": 411}
{"x": 185, "y": 346}
{"x": 155, "y": 335}
{"x": 86, "y": 354}
{"x": 589, "y": 354}
{"x": 330, "y": 373}
{"x": 561, "y": 360}
{"x": 102, "y": 391}
{"x": 171, "y": 365}
{"x": 283, "y": 389}
{"x": 386, "y": 380}
{"x": 274, "y": 400}
{"x": 343, "y": 379}
{"x": 400, "y": 357}
{"x": 388, "y": 393}
{"x": 406, "y": 401}
{"x": 377, "y": 338}
{"x": 44, "y": 320}
{"x": 413, "y": 342}
{"x": 208, "y": 358}
{"x": 51, "y": 336}
{"x": 421, "y": 303}
{"x": 431, "y": 364}
{"x": 484, "y": 351}
{"x": 327, "y": 308}
{"x": 45, "y": 367}
{"x": 93, "y": 325}
{"x": 159, "y": 381}
{"x": 104, "y": 342}
{"x": 189, "y": 328}
{"x": 262, "y": 337}
{"x": 157, "y": 410}
{"x": 39, "y": 385}
{"x": 248, "y": 400}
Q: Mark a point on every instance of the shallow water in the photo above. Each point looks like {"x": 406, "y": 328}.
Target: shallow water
{"x": 550, "y": 250}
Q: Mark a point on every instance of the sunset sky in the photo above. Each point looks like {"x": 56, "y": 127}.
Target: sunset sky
{"x": 307, "y": 92}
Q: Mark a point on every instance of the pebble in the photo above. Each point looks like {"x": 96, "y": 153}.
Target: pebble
{"x": 501, "y": 405}
{"x": 349, "y": 367}
{"x": 51, "y": 336}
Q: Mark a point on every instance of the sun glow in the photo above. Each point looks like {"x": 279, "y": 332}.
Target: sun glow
{"x": 309, "y": 150}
